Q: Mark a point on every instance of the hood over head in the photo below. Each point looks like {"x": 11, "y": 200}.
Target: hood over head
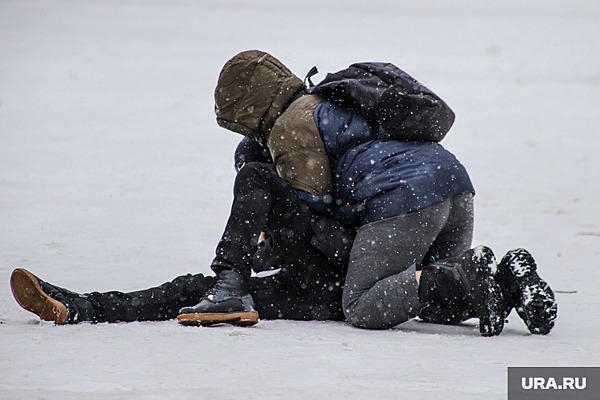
{"x": 253, "y": 89}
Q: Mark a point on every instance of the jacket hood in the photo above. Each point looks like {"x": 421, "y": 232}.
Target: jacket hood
{"x": 253, "y": 89}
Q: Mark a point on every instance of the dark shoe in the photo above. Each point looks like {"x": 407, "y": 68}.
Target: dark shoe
{"x": 227, "y": 301}
{"x": 469, "y": 278}
{"x": 49, "y": 302}
{"x": 529, "y": 294}
{"x": 449, "y": 312}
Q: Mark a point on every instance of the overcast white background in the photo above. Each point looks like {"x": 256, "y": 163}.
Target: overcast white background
{"x": 115, "y": 176}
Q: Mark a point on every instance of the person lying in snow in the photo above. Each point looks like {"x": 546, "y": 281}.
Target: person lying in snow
{"x": 300, "y": 262}
{"x": 279, "y": 292}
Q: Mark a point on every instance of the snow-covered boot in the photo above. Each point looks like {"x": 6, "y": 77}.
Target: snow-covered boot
{"x": 50, "y": 302}
{"x": 524, "y": 290}
{"x": 468, "y": 277}
{"x": 227, "y": 301}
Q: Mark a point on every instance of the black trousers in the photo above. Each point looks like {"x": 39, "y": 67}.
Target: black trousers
{"x": 275, "y": 297}
{"x": 263, "y": 201}
{"x": 309, "y": 287}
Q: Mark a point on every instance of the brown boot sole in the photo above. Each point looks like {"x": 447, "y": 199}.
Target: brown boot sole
{"x": 246, "y": 318}
{"x": 29, "y": 294}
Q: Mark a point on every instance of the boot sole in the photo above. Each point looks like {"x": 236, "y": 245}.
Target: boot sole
{"x": 243, "y": 318}
{"x": 29, "y": 294}
{"x": 487, "y": 296}
{"x": 536, "y": 304}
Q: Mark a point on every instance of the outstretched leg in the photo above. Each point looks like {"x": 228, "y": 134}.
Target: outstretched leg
{"x": 281, "y": 296}
{"x": 62, "y": 306}
{"x": 159, "y": 303}
{"x": 49, "y": 302}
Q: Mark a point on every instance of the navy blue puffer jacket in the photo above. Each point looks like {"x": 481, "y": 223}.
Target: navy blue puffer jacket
{"x": 378, "y": 179}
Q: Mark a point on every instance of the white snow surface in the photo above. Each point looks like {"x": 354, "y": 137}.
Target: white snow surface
{"x": 115, "y": 176}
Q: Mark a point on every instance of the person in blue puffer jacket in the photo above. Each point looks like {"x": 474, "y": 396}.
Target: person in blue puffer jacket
{"x": 413, "y": 205}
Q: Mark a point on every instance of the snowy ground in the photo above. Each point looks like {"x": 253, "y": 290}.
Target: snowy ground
{"x": 114, "y": 175}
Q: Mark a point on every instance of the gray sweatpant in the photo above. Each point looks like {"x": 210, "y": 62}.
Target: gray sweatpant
{"x": 381, "y": 290}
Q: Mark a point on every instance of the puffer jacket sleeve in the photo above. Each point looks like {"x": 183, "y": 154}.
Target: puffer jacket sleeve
{"x": 298, "y": 150}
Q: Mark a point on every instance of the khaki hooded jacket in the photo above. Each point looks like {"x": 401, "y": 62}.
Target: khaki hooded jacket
{"x": 259, "y": 97}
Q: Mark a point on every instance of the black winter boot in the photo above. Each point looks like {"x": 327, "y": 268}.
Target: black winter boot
{"x": 227, "y": 301}
{"x": 49, "y": 302}
{"x": 524, "y": 290}
{"x": 469, "y": 278}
